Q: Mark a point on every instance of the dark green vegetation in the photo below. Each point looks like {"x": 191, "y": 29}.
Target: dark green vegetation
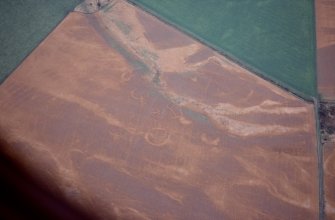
{"x": 327, "y": 121}
{"x": 274, "y": 38}
{"x": 24, "y": 24}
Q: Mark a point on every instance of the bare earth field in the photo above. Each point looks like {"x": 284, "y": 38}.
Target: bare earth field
{"x": 325, "y": 24}
{"x": 329, "y": 167}
{"x": 129, "y": 117}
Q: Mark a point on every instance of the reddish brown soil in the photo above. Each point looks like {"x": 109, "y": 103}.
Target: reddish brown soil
{"x": 163, "y": 37}
{"x": 329, "y": 167}
{"x": 145, "y": 129}
{"x": 325, "y": 22}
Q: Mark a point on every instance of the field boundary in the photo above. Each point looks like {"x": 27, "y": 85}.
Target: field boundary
{"x": 320, "y": 161}
{"x": 8, "y": 73}
{"x": 229, "y": 56}
{"x": 317, "y": 100}
{"x": 308, "y": 98}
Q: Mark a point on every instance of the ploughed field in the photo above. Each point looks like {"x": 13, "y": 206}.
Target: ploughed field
{"x": 329, "y": 166}
{"x": 325, "y": 23}
{"x": 273, "y": 38}
{"x": 130, "y": 117}
{"x": 325, "y": 31}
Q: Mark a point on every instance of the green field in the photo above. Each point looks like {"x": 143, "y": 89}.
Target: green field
{"x": 24, "y": 24}
{"x": 274, "y": 38}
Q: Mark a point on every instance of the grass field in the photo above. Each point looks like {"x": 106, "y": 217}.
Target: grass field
{"x": 157, "y": 125}
{"x": 274, "y": 38}
{"x": 23, "y": 24}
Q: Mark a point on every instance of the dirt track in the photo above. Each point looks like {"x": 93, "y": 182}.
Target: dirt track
{"x": 158, "y": 126}
{"x": 325, "y": 23}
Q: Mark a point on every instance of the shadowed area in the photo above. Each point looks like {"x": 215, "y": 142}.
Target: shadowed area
{"x": 23, "y": 195}
{"x": 130, "y": 125}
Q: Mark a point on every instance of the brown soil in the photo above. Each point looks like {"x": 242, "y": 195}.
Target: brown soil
{"x": 325, "y": 23}
{"x": 163, "y": 130}
{"x": 329, "y": 167}
{"x": 326, "y": 72}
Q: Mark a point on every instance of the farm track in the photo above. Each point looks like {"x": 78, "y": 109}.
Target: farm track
{"x": 325, "y": 33}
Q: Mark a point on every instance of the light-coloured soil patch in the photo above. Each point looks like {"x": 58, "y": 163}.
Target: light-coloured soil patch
{"x": 158, "y": 129}
{"x": 325, "y": 27}
{"x": 329, "y": 167}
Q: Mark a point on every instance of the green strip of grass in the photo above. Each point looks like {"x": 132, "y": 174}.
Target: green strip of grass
{"x": 24, "y": 24}
{"x": 274, "y": 38}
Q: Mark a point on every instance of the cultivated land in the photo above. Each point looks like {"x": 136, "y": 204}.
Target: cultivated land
{"x": 129, "y": 117}
{"x": 327, "y": 129}
{"x": 325, "y": 27}
{"x": 24, "y": 24}
{"x": 329, "y": 167}
{"x": 274, "y": 38}
{"x": 325, "y": 23}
